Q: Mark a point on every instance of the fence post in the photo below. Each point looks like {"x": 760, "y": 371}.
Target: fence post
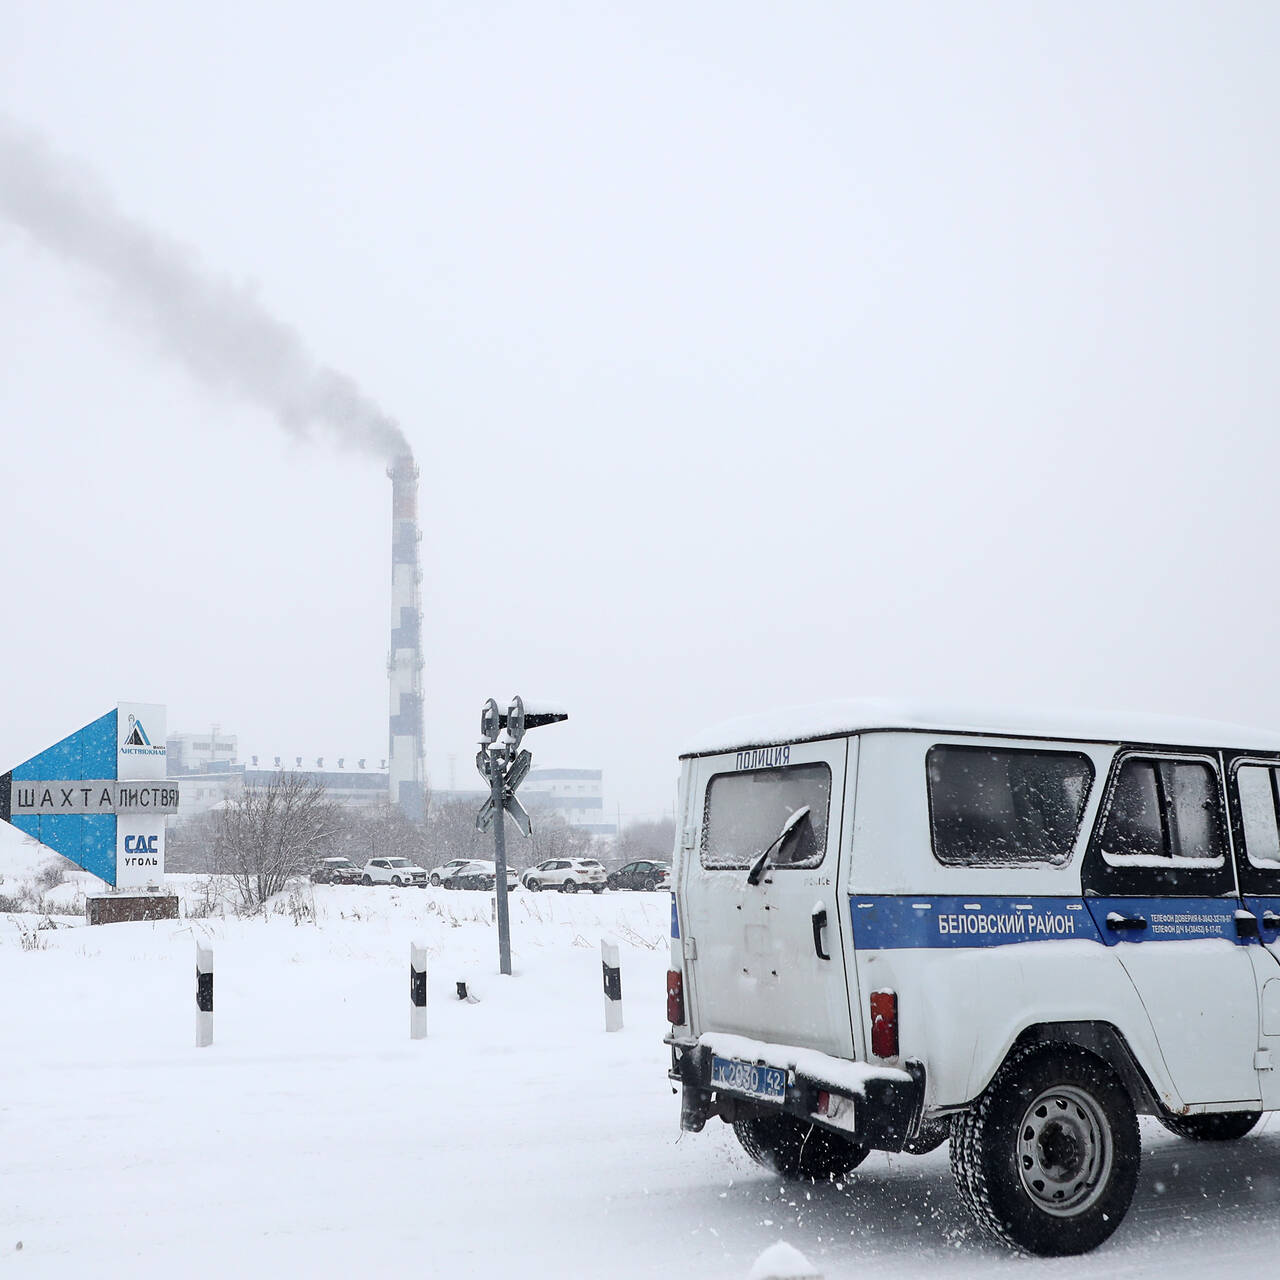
{"x": 612, "y": 986}
{"x": 204, "y": 995}
{"x": 417, "y": 991}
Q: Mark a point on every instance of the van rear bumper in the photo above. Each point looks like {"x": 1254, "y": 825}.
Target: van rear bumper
{"x": 882, "y": 1112}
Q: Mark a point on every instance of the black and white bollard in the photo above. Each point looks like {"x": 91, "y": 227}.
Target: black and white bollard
{"x": 612, "y": 986}
{"x": 204, "y": 995}
{"x": 417, "y": 991}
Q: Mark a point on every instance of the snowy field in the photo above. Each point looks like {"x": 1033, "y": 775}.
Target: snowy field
{"x": 518, "y": 1140}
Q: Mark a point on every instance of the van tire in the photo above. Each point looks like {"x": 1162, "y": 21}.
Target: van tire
{"x": 999, "y": 1152}
{"x": 1215, "y": 1126}
{"x": 797, "y": 1149}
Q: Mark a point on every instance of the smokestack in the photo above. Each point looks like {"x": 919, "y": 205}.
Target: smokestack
{"x": 404, "y": 666}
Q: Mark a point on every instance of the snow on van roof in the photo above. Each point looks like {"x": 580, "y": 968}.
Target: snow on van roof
{"x": 855, "y": 715}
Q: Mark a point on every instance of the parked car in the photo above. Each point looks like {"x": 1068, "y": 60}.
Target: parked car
{"x": 441, "y": 873}
{"x": 335, "y": 871}
{"x": 566, "y": 874}
{"x": 475, "y": 873}
{"x": 393, "y": 871}
{"x": 641, "y": 875}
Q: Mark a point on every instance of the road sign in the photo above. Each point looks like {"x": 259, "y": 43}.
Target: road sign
{"x": 504, "y": 766}
{"x": 519, "y": 770}
{"x": 517, "y": 811}
{"x": 99, "y": 796}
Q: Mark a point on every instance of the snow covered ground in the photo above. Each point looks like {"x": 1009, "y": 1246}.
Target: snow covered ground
{"x": 518, "y": 1140}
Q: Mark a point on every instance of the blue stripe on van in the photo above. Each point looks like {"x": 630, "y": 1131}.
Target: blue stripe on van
{"x": 675, "y": 918}
{"x": 882, "y": 923}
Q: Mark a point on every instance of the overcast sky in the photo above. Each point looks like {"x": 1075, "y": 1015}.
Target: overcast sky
{"x": 753, "y": 354}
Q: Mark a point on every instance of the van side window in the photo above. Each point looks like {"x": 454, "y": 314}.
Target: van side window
{"x": 997, "y": 808}
{"x": 744, "y": 813}
{"x": 1164, "y": 809}
{"x": 1259, "y": 790}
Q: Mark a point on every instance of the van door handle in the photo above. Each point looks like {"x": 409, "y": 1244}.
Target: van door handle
{"x": 819, "y": 918}
{"x": 1121, "y": 924}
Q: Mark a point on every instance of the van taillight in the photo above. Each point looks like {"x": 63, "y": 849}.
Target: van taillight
{"x": 884, "y": 1024}
{"x": 675, "y": 997}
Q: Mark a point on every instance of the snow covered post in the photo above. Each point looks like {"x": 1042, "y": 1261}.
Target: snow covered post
{"x": 612, "y": 986}
{"x": 204, "y": 995}
{"x": 417, "y": 991}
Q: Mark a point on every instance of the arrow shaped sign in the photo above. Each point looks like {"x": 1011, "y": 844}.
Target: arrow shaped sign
{"x": 484, "y": 819}
{"x": 99, "y": 796}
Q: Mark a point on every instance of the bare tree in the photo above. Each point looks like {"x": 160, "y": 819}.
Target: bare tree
{"x": 555, "y": 837}
{"x": 649, "y": 839}
{"x": 451, "y": 832}
{"x": 268, "y": 835}
{"x": 190, "y": 842}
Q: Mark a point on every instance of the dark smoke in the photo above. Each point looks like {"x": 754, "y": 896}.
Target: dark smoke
{"x": 215, "y": 328}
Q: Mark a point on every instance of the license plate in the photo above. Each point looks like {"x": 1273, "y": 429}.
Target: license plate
{"x": 742, "y": 1077}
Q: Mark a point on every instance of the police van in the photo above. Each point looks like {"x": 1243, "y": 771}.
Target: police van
{"x": 894, "y": 926}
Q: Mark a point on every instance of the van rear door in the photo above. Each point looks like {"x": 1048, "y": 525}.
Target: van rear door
{"x": 766, "y": 959}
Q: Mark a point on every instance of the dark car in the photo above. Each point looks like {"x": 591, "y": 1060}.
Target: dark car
{"x": 335, "y": 871}
{"x": 476, "y": 874}
{"x": 644, "y": 874}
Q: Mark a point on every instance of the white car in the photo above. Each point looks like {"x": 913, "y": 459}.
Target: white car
{"x": 393, "y": 871}
{"x": 566, "y": 874}
{"x": 446, "y": 869}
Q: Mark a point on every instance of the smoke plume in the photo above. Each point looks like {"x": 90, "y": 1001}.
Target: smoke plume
{"x": 213, "y": 327}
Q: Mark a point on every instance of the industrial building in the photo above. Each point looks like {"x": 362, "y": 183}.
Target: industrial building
{"x": 207, "y": 767}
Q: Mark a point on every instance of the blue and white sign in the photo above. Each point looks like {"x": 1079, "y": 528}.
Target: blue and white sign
{"x": 894, "y": 922}
{"x": 99, "y": 797}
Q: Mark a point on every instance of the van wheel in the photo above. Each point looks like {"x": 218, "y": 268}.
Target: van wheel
{"x": 569, "y": 886}
{"x": 933, "y": 1133}
{"x": 1221, "y": 1126}
{"x": 797, "y": 1149}
{"x": 366, "y": 879}
{"x": 1047, "y": 1160}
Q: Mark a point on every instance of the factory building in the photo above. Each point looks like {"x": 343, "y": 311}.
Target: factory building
{"x": 577, "y": 795}
{"x": 207, "y": 783}
{"x": 211, "y": 774}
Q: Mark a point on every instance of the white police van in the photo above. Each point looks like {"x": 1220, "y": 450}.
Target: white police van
{"x": 891, "y": 927}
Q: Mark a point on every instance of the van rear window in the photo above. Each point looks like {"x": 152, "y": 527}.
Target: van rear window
{"x": 744, "y": 813}
{"x": 998, "y": 808}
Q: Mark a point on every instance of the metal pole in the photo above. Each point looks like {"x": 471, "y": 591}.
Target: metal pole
{"x": 497, "y": 783}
